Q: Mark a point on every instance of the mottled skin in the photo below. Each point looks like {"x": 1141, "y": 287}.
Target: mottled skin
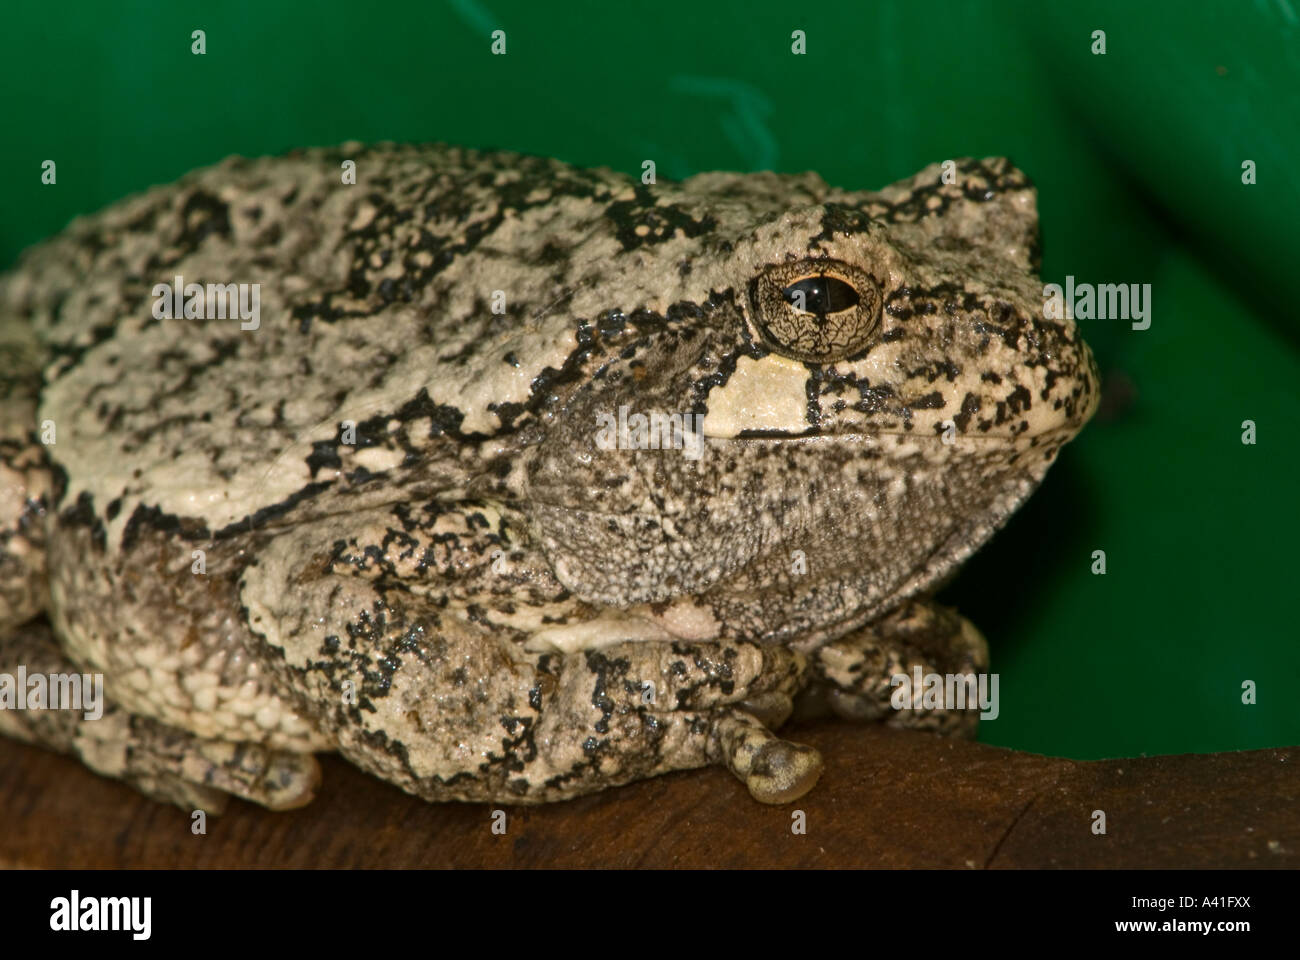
{"x": 472, "y": 599}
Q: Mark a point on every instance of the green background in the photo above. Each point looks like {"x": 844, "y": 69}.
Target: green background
{"x": 1137, "y": 155}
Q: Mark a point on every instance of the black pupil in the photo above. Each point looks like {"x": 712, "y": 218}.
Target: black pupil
{"x": 822, "y": 295}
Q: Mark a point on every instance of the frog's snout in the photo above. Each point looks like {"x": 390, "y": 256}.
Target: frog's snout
{"x": 1092, "y": 387}
{"x": 1077, "y": 387}
{"x": 1059, "y": 387}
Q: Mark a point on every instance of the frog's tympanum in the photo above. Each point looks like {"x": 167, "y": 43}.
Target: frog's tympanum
{"x": 511, "y": 481}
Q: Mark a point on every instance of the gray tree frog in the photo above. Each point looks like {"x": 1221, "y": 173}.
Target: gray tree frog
{"x": 526, "y": 481}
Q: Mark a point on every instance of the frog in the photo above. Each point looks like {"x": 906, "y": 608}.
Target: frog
{"x": 524, "y": 480}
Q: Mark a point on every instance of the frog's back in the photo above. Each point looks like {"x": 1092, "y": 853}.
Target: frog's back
{"x": 319, "y": 302}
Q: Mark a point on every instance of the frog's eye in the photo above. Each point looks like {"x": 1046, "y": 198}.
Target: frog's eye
{"x": 815, "y": 310}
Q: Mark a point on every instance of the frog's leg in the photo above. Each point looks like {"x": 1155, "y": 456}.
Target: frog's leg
{"x": 160, "y": 761}
{"x": 405, "y": 633}
{"x": 24, "y": 481}
{"x": 853, "y": 674}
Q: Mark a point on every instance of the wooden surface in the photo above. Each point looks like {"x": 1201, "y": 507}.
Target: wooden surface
{"x": 888, "y": 799}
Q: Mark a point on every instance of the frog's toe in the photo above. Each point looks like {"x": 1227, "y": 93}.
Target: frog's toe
{"x": 291, "y": 781}
{"x": 193, "y": 773}
{"x": 770, "y": 709}
{"x": 276, "y": 779}
{"x": 774, "y": 770}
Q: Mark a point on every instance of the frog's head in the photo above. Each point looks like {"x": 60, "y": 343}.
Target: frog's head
{"x": 876, "y": 384}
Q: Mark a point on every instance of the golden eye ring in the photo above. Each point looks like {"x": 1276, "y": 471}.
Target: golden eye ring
{"x": 818, "y": 311}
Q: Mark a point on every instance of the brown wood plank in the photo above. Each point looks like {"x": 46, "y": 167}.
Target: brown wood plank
{"x": 888, "y": 799}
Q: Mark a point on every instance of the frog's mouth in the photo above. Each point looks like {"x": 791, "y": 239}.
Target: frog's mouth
{"x": 877, "y": 437}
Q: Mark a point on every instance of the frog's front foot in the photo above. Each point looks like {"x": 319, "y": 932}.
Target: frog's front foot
{"x": 859, "y": 675}
{"x": 774, "y": 770}
{"x": 713, "y": 703}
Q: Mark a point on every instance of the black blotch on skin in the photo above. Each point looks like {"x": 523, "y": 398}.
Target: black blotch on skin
{"x": 969, "y": 406}
{"x": 661, "y": 221}
{"x": 204, "y": 214}
{"x": 153, "y": 518}
{"x": 931, "y": 401}
{"x": 82, "y": 513}
{"x": 324, "y": 455}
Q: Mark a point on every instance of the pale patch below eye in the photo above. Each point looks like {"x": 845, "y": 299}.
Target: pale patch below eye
{"x": 765, "y": 394}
